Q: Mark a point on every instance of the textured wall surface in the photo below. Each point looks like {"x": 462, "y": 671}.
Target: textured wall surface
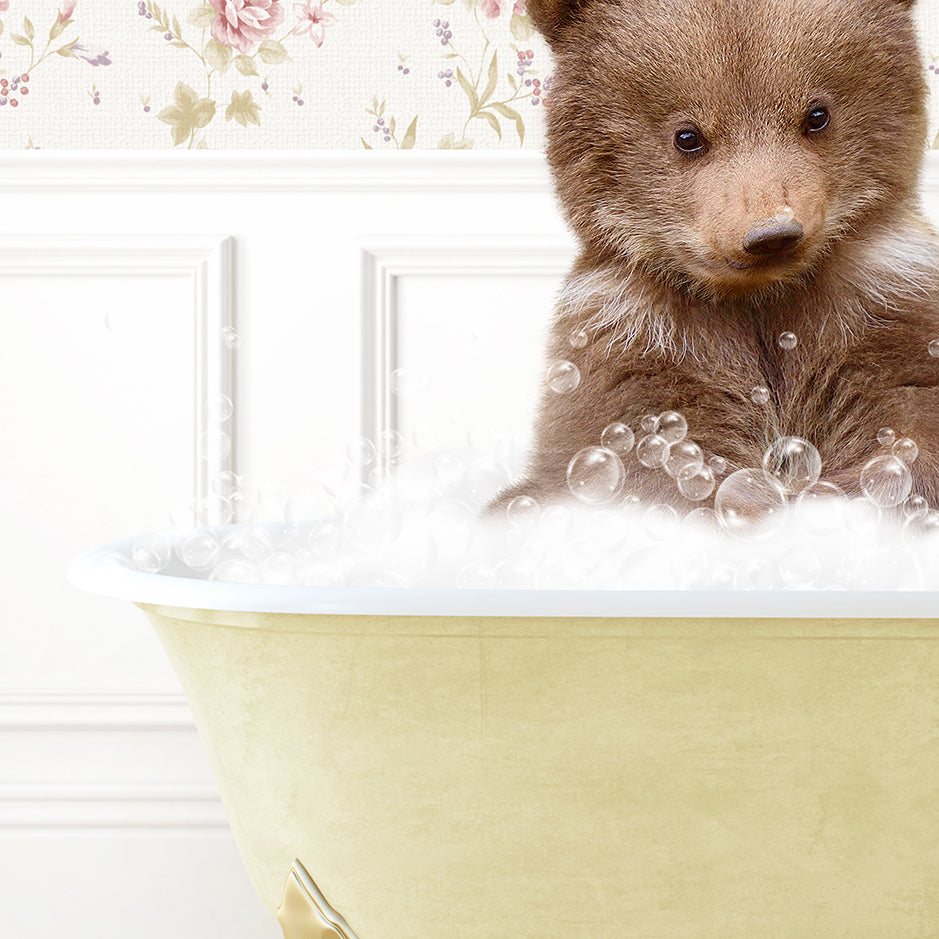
{"x": 288, "y": 74}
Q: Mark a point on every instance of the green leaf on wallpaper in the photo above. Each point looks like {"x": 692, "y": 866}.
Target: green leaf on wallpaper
{"x": 410, "y": 135}
{"x": 272, "y": 52}
{"x": 188, "y": 114}
{"x": 493, "y": 121}
{"x": 58, "y": 27}
{"x": 449, "y": 142}
{"x": 391, "y": 126}
{"x": 66, "y": 50}
{"x": 20, "y": 40}
{"x": 512, "y": 81}
{"x": 381, "y": 109}
{"x": 179, "y": 44}
{"x": 1, "y": 27}
{"x": 444, "y": 3}
{"x": 245, "y": 65}
{"x": 364, "y": 144}
{"x": 493, "y": 79}
{"x": 177, "y": 29}
{"x": 217, "y": 56}
{"x": 470, "y": 91}
{"x": 521, "y": 26}
{"x": 202, "y": 17}
{"x": 346, "y": 3}
{"x": 512, "y": 115}
{"x": 28, "y": 28}
{"x": 243, "y": 109}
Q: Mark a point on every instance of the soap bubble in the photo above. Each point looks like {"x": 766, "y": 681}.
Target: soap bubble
{"x": 718, "y": 464}
{"x": 150, "y": 553}
{"x": 324, "y": 539}
{"x": 916, "y": 507}
{"x": 556, "y": 575}
{"x": 749, "y": 503}
{"x": 595, "y": 475}
{"x": 390, "y": 446}
{"x": 278, "y": 568}
{"x": 660, "y": 521}
{"x": 799, "y": 567}
{"x": 361, "y": 452}
{"x": 556, "y": 522}
{"x": 920, "y": 528}
{"x": 886, "y": 481}
{"x": 862, "y": 516}
{"x": 485, "y": 476}
{"x": 824, "y": 504}
{"x": 793, "y": 463}
{"x": 307, "y": 505}
{"x": 199, "y": 549}
{"x": 788, "y": 341}
{"x": 373, "y": 521}
{"x": 906, "y": 450}
{"x": 684, "y": 459}
{"x": 243, "y": 504}
{"x": 515, "y": 574}
{"x": 579, "y": 338}
{"x": 447, "y": 469}
{"x": 649, "y": 423}
{"x": 697, "y": 485}
{"x": 225, "y": 483}
{"x": 652, "y": 451}
{"x": 618, "y": 437}
{"x": 672, "y": 426}
{"x": 214, "y": 444}
{"x": 412, "y": 556}
{"x": 236, "y": 571}
{"x": 703, "y": 520}
{"x": 523, "y": 512}
{"x": 220, "y": 408}
{"x": 886, "y": 436}
{"x": 563, "y": 377}
{"x": 407, "y": 383}
{"x": 476, "y": 576}
{"x": 230, "y": 337}
{"x": 934, "y": 348}
{"x": 755, "y": 574}
{"x": 760, "y": 394}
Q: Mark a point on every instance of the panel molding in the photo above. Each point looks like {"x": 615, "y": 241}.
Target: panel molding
{"x": 385, "y": 260}
{"x": 207, "y": 261}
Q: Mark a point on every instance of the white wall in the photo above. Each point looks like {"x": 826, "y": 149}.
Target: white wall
{"x": 118, "y": 272}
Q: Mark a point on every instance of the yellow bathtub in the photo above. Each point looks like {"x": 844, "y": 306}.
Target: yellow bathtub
{"x": 544, "y": 765}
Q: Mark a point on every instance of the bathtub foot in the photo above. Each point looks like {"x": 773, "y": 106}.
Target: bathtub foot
{"x": 304, "y": 913}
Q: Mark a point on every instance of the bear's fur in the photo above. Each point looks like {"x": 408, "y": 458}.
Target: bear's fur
{"x": 680, "y": 316}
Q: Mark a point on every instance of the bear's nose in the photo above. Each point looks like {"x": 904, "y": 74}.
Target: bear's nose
{"x": 773, "y": 236}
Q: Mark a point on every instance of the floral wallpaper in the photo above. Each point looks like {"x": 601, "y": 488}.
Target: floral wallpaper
{"x": 288, "y": 74}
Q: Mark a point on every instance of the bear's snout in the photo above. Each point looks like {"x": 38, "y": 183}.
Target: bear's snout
{"x": 773, "y": 236}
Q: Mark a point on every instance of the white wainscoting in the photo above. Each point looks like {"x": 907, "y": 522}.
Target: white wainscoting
{"x": 118, "y": 273}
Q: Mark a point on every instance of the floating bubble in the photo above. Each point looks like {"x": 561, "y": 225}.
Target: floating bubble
{"x": 361, "y": 452}
{"x": 220, "y": 408}
{"x": 236, "y": 571}
{"x": 373, "y": 521}
{"x": 230, "y": 337}
{"x": 824, "y": 504}
{"x": 906, "y": 450}
{"x": 324, "y": 539}
{"x": 214, "y": 444}
{"x": 718, "y": 464}
{"x": 390, "y": 446}
{"x": 799, "y": 568}
{"x": 199, "y": 549}
{"x": 788, "y": 341}
{"x": 652, "y": 451}
{"x": 579, "y": 338}
{"x": 515, "y": 574}
{"x": 412, "y": 556}
{"x": 563, "y": 377}
{"x": 862, "y": 516}
{"x": 886, "y": 436}
{"x": 425, "y": 437}
{"x": 886, "y": 481}
{"x": 557, "y": 521}
{"x": 672, "y": 426}
{"x": 595, "y": 475}
{"x": 793, "y": 463}
{"x": 447, "y": 469}
{"x": 916, "y": 507}
{"x": 649, "y": 423}
{"x": 243, "y": 504}
{"x": 920, "y": 528}
{"x": 760, "y": 394}
{"x": 749, "y": 503}
{"x": 934, "y": 348}
{"x": 684, "y": 459}
{"x": 485, "y": 476}
{"x": 703, "y": 520}
{"x": 619, "y": 438}
{"x": 406, "y": 383}
{"x": 660, "y": 521}
{"x": 225, "y": 483}
{"x": 150, "y": 553}
{"x": 755, "y": 574}
{"x": 475, "y": 576}
{"x": 523, "y": 512}
{"x": 697, "y": 485}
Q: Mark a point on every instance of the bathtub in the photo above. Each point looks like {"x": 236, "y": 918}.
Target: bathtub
{"x": 401, "y": 764}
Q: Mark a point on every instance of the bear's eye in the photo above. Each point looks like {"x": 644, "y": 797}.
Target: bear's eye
{"x": 690, "y": 140}
{"x": 817, "y": 119}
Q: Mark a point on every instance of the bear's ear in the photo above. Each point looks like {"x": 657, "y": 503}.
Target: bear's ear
{"x": 550, "y": 16}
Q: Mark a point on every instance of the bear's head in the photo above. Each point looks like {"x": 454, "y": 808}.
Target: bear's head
{"x": 726, "y": 146}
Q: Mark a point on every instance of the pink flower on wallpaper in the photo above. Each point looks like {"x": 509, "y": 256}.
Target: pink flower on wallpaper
{"x": 244, "y": 23}
{"x": 493, "y": 8}
{"x": 313, "y": 21}
{"x": 4, "y": 5}
{"x": 68, "y": 8}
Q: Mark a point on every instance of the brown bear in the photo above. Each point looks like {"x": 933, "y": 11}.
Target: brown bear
{"x": 737, "y": 172}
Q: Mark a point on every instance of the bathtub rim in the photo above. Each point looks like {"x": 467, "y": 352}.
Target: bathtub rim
{"x": 94, "y": 571}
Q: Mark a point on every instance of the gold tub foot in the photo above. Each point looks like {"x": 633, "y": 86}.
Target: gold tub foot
{"x": 304, "y": 913}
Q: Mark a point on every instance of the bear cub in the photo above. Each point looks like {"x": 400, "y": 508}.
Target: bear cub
{"x": 742, "y": 178}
